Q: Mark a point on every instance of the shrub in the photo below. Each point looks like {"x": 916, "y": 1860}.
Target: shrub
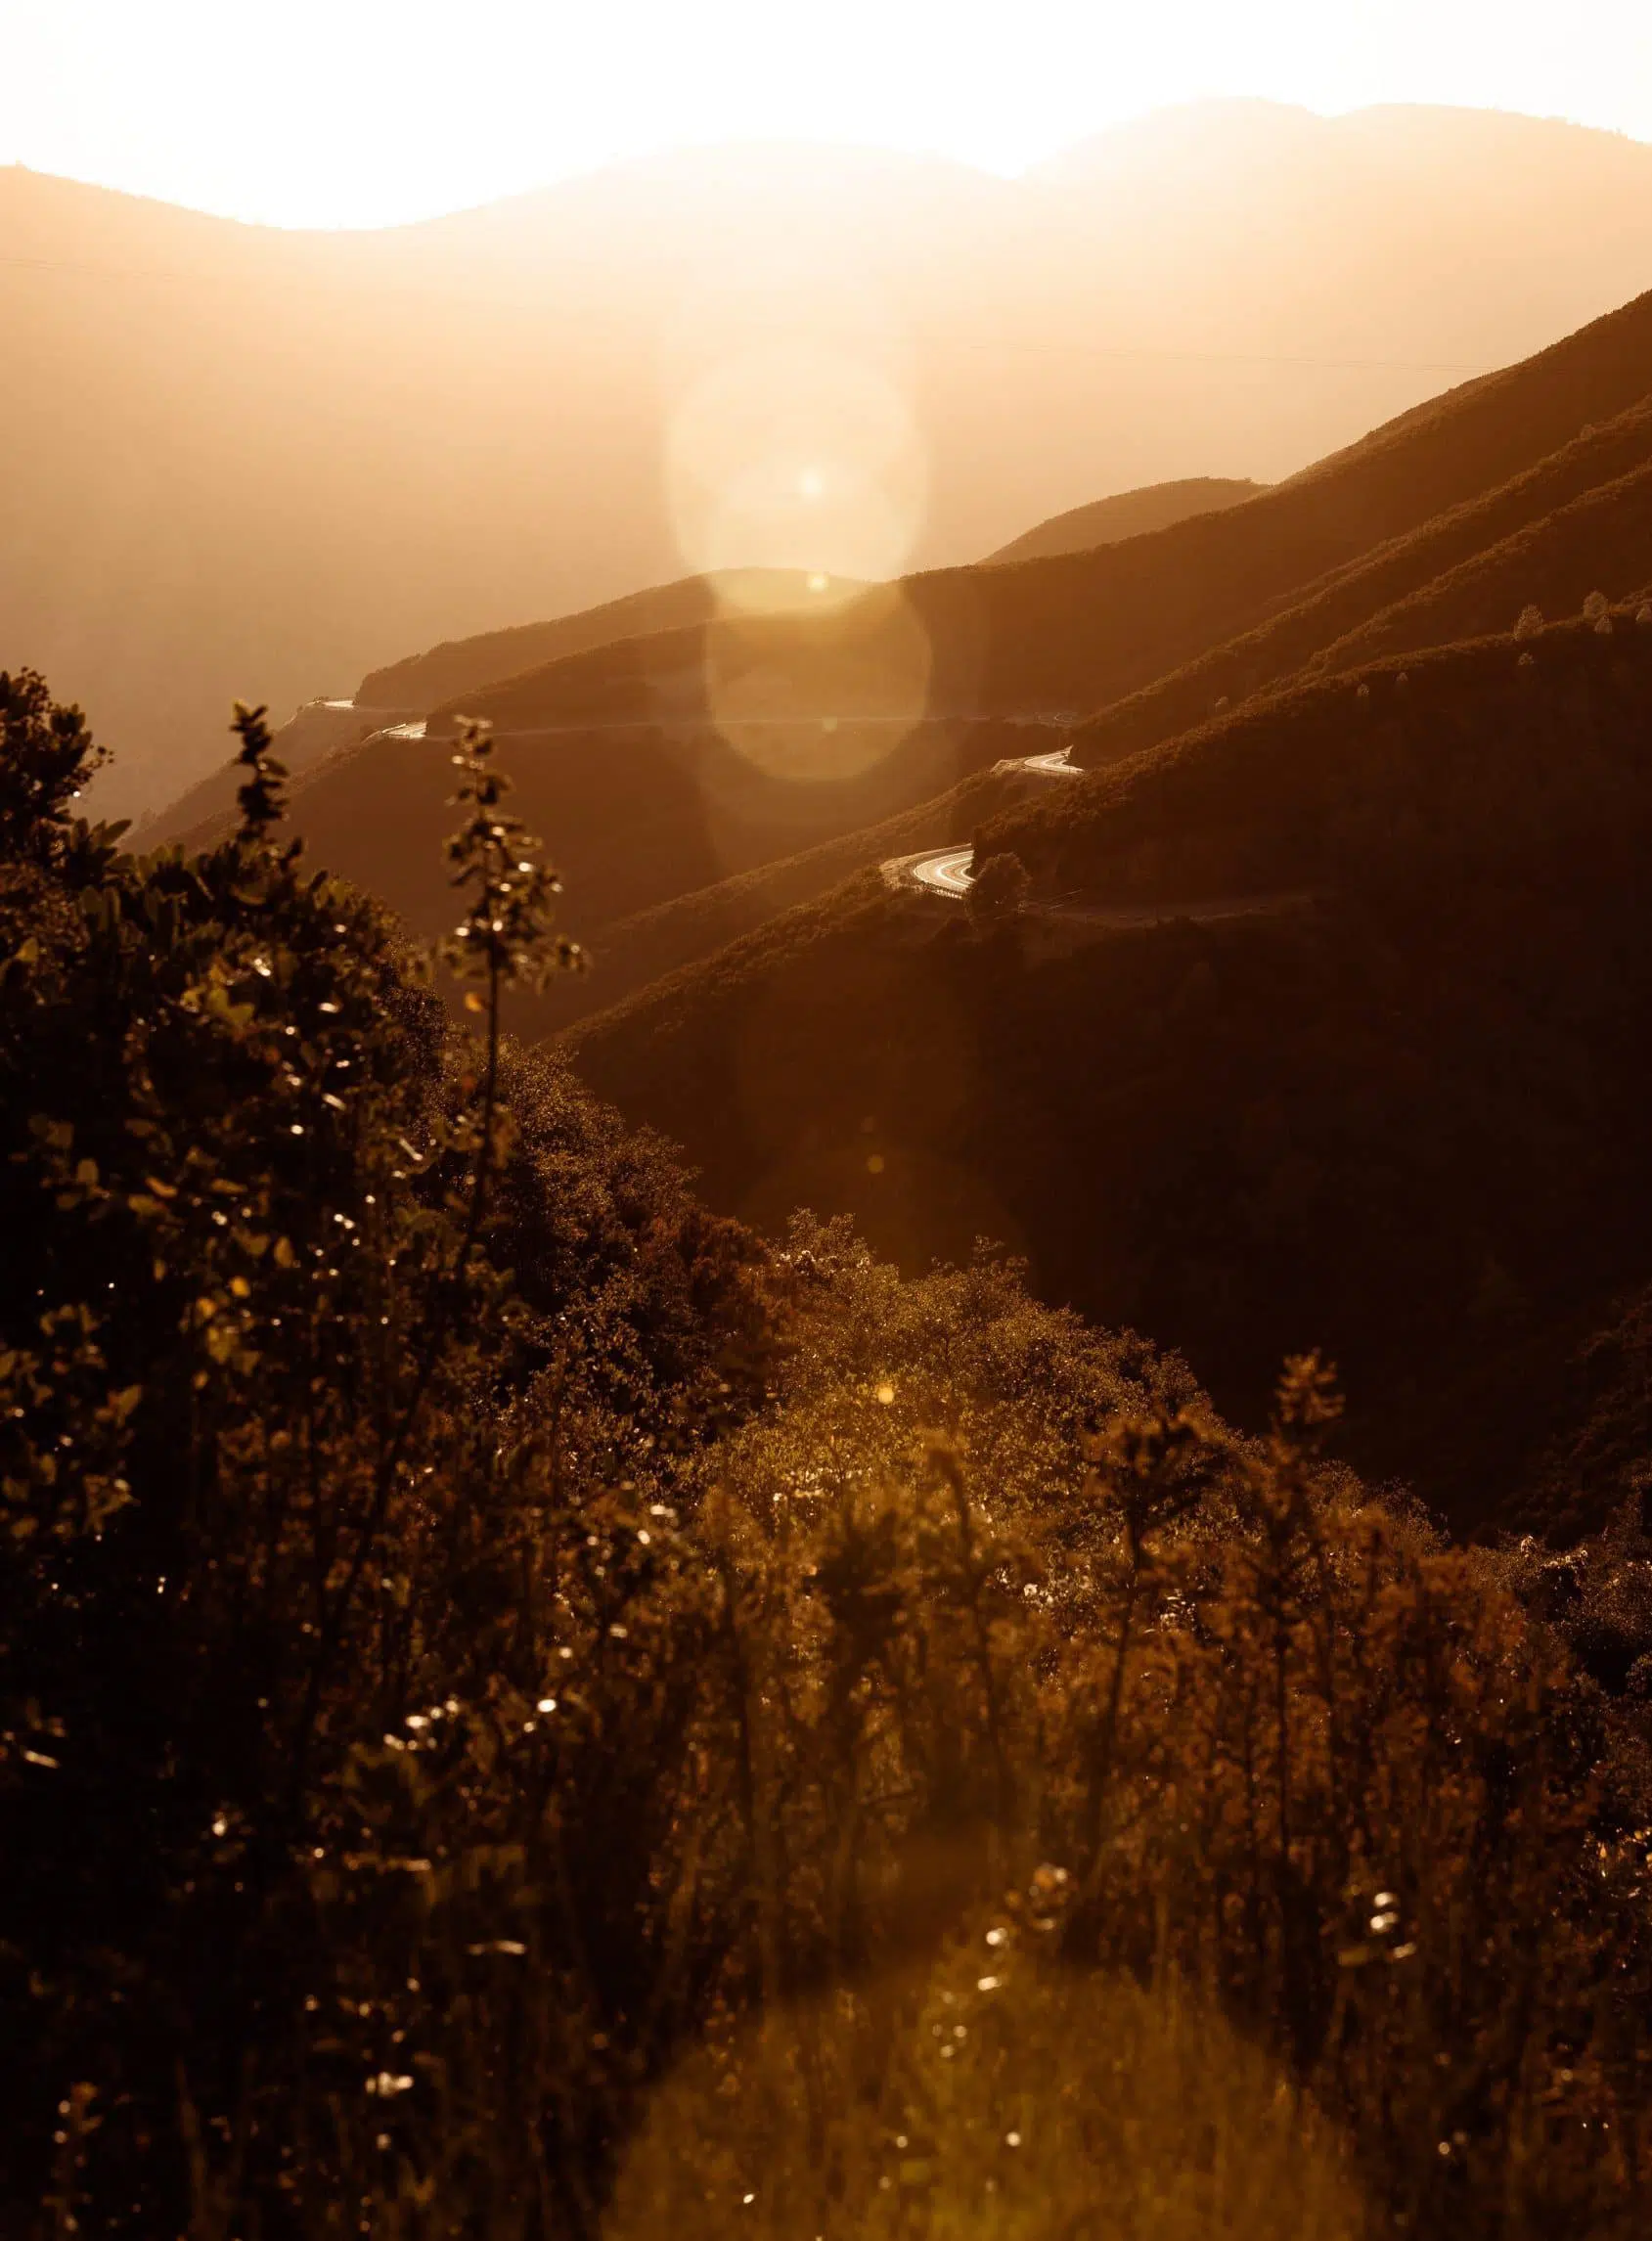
{"x": 998, "y": 890}
{"x": 273, "y": 1478}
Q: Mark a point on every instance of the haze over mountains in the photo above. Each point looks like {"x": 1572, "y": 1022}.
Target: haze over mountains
{"x": 244, "y": 461}
{"x": 672, "y": 765}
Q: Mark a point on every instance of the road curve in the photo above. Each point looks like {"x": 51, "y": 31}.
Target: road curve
{"x": 1055, "y": 765}
{"x": 946, "y": 870}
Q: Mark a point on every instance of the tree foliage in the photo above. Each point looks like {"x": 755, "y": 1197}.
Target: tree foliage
{"x": 998, "y": 889}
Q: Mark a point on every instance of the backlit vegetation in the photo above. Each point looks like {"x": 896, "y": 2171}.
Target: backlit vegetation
{"x": 526, "y": 1710}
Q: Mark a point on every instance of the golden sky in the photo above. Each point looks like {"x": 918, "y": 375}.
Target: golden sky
{"x": 369, "y": 111}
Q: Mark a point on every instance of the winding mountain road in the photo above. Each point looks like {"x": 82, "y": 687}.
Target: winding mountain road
{"x": 943, "y": 872}
{"x": 946, "y": 871}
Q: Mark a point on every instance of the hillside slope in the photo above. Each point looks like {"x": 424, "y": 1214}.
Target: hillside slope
{"x": 665, "y": 767}
{"x": 671, "y": 935}
{"x": 317, "y": 731}
{"x": 636, "y": 814}
{"x": 423, "y": 680}
{"x": 1406, "y": 1125}
{"x": 1081, "y": 631}
{"x": 1575, "y": 521}
{"x": 1551, "y": 536}
{"x": 1596, "y": 545}
{"x": 1600, "y": 542}
{"x": 1128, "y": 513}
{"x": 237, "y": 462}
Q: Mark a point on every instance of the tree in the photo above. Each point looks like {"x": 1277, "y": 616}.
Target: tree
{"x": 998, "y": 890}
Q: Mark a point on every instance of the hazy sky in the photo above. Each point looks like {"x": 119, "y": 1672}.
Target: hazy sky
{"x": 365, "y": 112}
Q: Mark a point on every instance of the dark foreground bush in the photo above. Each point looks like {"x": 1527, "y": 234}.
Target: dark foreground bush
{"x": 484, "y": 1647}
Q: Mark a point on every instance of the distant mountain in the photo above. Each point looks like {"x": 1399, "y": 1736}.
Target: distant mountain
{"x": 695, "y": 780}
{"x": 458, "y": 666}
{"x": 1128, "y": 513}
{"x": 236, "y": 461}
{"x": 1077, "y": 632}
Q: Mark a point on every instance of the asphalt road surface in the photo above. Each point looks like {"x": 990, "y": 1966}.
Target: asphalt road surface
{"x": 946, "y": 870}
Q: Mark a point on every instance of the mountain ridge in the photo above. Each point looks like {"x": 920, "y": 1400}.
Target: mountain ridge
{"x": 677, "y": 765}
{"x": 1126, "y": 513}
{"x": 275, "y": 461}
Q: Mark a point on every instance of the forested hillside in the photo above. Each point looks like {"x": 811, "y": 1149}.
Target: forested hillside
{"x": 1375, "y": 1079}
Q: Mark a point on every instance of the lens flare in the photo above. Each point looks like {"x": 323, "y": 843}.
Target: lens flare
{"x": 797, "y": 455}
{"x": 798, "y": 482}
{"x": 822, "y": 692}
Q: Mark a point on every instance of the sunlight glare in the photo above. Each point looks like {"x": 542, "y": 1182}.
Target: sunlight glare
{"x": 824, "y": 693}
{"x": 797, "y": 455}
{"x": 374, "y": 111}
